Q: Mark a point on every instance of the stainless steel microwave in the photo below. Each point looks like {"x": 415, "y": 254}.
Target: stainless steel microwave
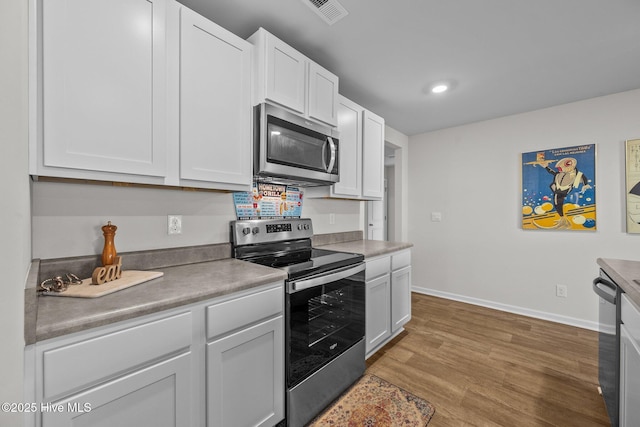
{"x": 292, "y": 150}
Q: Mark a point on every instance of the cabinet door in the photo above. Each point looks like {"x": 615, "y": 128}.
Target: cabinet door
{"x": 373, "y": 156}
{"x": 104, "y": 83}
{"x": 215, "y": 103}
{"x": 158, "y": 395}
{"x": 245, "y": 377}
{"x": 377, "y": 311}
{"x": 350, "y": 152}
{"x": 285, "y": 74}
{"x": 400, "y": 298}
{"x": 323, "y": 95}
{"x": 629, "y": 380}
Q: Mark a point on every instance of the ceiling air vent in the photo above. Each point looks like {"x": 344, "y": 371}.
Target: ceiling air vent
{"x": 329, "y": 10}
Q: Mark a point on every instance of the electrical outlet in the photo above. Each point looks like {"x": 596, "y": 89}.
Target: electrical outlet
{"x": 332, "y": 218}
{"x": 561, "y": 291}
{"x": 174, "y": 224}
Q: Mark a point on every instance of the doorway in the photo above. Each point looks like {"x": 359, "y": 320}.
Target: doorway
{"x": 380, "y": 217}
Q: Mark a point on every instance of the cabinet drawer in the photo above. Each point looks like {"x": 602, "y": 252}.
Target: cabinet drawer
{"x": 630, "y": 314}
{"x": 377, "y": 267}
{"x": 400, "y": 260}
{"x": 153, "y": 396}
{"x": 236, "y": 313}
{"x": 75, "y": 365}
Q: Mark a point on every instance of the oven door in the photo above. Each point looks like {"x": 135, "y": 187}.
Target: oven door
{"x": 325, "y": 317}
{"x": 293, "y": 148}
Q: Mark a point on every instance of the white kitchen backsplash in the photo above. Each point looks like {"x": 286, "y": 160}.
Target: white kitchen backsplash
{"x": 66, "y": 217}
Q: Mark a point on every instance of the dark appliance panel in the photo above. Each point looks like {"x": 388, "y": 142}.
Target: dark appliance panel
{"x": 323, "y": 322}
{"x": 609, "y": 343}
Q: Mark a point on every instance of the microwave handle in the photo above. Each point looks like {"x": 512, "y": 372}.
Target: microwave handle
{"x": 332, "y": 160}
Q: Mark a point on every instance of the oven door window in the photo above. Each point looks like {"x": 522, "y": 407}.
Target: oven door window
{"x": 292, "y": 145}
{"x": 323, "y": 322}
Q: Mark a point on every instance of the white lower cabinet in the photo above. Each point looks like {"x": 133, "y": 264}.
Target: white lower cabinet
{"x": 155, "y": 395}
{"x": 388, "y": 298}
{"x": 124, "y": 375}
{"x": 245, "y": 377}
{"x": 377, "y": 312}
{"x": 245, "y": 361}
{"x": 400, "y": 298}
{"x": 629, "y": 364}
{"x": 221, "y": 361}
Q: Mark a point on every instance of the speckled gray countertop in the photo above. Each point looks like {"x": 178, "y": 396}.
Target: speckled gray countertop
{"x": 368, "y": 248}
{"x": 624, "y": 273}
{"x": 178, "y": 286}
{"x": 52, "y": 316}
{"x": 190, "y": 275}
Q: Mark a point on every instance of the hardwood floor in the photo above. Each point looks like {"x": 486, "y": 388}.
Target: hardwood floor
{"x": 483, "y": 367}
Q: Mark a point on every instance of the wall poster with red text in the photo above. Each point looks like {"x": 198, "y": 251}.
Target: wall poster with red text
{"x": 268, "y": 201}
{"x": 558, "y": 189}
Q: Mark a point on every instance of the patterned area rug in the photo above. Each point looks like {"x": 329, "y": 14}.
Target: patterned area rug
{"x": 373, "y": 401}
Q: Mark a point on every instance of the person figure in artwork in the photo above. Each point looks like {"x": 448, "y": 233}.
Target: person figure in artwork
{"x": 566, "y": 177}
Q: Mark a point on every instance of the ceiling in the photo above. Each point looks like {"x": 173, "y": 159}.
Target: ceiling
{"x": 503, "y": 56}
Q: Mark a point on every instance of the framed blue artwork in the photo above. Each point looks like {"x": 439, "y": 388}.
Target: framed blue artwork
{"x": 558, "y": 189}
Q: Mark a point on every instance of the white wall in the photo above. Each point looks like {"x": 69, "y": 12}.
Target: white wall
{"x": 67, "y": 217}
{"x": 15, "y": 251}
{"x": 471, "y": 174}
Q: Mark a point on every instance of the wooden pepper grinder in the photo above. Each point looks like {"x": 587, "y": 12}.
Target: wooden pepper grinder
{"x": 109, "y": 251}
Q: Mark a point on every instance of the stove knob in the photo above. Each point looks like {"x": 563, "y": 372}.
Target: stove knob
{"x": 246, "y": 230}
{"x": 300, "y": 227}
{"x": 306, "y": 226}
{"x": 255, "y": 230}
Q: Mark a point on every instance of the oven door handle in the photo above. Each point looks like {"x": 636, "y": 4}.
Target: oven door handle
{"x": 300, "y": 285}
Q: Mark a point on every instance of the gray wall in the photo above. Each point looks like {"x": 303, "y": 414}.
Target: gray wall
{"x": 67, "y": 217}
{"x": 471, "y": 174}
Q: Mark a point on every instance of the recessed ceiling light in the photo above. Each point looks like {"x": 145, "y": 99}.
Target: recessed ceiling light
{"x": 439, "y": 88}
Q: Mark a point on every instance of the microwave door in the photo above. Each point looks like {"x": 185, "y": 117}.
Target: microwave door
{"x": 288, "y": 147}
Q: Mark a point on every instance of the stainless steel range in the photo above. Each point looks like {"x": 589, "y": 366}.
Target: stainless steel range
{"x": 325, "y": 310}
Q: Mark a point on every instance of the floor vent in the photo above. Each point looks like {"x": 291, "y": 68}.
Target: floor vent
{"x": 329, "y": 10}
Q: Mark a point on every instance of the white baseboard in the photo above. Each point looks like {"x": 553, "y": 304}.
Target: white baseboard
{"x": 566, "y": 320}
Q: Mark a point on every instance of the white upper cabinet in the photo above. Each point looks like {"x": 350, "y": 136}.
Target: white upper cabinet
{"x": 361, "y": 151}
{"x": 139, "y": 91}
{"x": 285, "y": 72}
{"x": 286, "y": 77}
{"x": 101, "y": 81}
{"x": 323, "y": 94}
{"x": 214, "y": 92}
{"x": 350, "y": 152}
{"x": 373, "y": 156}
